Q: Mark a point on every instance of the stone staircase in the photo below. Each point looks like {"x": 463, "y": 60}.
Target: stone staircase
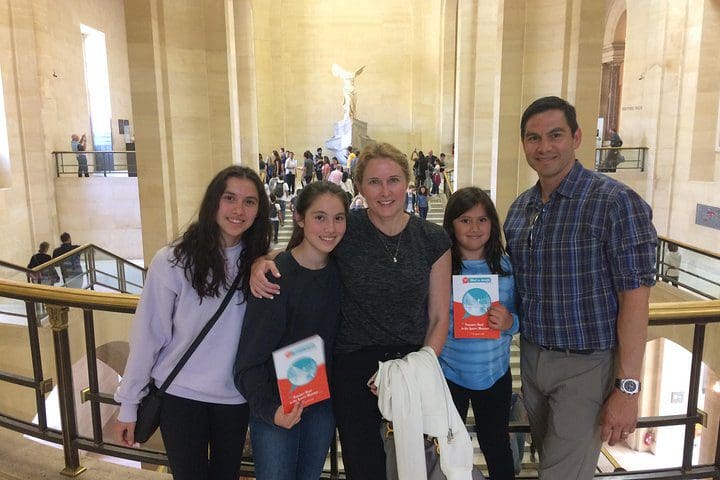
{"x": 285, "y": 231}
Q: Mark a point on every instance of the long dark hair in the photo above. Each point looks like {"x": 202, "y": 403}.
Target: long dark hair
{"x": 199, "y": 250}
{"x": 306, "y": 197}
{"x": 459, "y": 203}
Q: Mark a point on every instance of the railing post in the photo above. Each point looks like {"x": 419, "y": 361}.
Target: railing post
{"x": 91, "y": 268}
{"x": 43, "y": 387}
{"x": 642, "y": 163}
{"x": 59, "y": 322}
{"x": 122, "y": 282}
{"x": 91, "y": 352}
{"x": 659, "y": 259}
{"x": 693, "y": 393}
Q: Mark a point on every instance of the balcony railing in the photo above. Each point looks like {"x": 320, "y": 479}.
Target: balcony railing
{"x": 698, "y": 269}
{"x": 611, "y": 159}
{"x": 698, "y": 316}
{"x": 87, "y": 267}
{"x": 100, "y": 163}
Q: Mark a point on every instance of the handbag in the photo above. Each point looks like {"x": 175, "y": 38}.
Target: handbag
{"x": 432, "y": 456}
{"x": 148, "y": 413}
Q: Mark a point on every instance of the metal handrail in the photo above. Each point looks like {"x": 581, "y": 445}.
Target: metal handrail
{"x": 691, "y": 248}
{"x": 129, "y": 168}
{"x": 88, "y": 250}
{"x": 699, "y": 314}
{"x": 611, "y": 159}
{"x": 661, "y": 266}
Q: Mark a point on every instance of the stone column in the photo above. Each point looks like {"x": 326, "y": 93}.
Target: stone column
{"x": 448, "y": 58}
{"x": 510, "y": 159}
{"x": 68, "y": 420}
{"x": 245, "y": 74}
{"x": 148, "y": 84}
{"x": 181, "y": 69}
{"x": 475, "y": 112}
{"x": 670, "y": 105}
{"x": 509, "y": 54}
{"x": 29, "y": 210}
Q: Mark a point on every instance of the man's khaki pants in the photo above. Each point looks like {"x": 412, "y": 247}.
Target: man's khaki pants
{"x": 564, "y": 393}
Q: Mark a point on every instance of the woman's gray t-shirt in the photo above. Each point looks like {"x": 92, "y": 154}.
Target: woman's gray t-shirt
{"x": 383, "y": 302}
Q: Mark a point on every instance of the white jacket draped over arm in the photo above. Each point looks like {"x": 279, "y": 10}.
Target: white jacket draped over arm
{"x": 413, "y": 394}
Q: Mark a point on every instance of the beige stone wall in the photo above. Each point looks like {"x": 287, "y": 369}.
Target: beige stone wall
{"x": 398, "y": 94}
{"x": 26, "y": 208}
{"x": 477, "y": 84}
{"x": 533, "y": 60}
{"x": 197, "y": 83}
{"x": 62, "y": 70}
{"x": 41, "y": 61}
{"x": 103, "y": 211}
{"x": 448, "y": 50}
{"x": 669, "y": 104}
{"x": 178, "y": 56}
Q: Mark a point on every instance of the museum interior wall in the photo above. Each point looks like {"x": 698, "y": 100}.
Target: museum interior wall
{"x": 41, "y": 62}
{"x": 514, "y": 62}
{"x": 299, "y": 99}
{"x": 178, "y": 57}
{"x": 671, "y": 88}
{"x": 209, "y": 82}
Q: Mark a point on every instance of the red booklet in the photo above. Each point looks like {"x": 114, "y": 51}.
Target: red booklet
{"x": 301, "y": 373}
{"x": 473, "y": 295}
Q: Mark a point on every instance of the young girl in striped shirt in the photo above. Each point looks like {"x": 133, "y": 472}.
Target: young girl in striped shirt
{"x": 478, "y": 370}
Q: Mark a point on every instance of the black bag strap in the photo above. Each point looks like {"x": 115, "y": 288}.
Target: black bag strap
{"x": 183, "y": 360}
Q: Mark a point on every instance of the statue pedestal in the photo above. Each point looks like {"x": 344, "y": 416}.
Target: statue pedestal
{"x": 349, "y": 131}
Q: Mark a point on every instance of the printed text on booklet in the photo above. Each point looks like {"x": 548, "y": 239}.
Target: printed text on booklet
{"x": 301, "y": 374}
{"x": 473, "y": 295}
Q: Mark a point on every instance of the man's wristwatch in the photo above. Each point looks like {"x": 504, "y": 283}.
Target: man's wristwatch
{"x": 628, "y": 385}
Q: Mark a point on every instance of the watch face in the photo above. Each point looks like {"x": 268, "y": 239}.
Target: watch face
{"x": 629, "y": 386}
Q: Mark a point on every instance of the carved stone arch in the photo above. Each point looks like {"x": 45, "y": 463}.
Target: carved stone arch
{"x": 612, "y": 66}
{"x": 616, "y": 14}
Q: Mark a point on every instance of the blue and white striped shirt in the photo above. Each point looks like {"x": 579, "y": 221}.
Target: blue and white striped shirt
{"x": 593, "y": 238}
{"x": 478, "y": 363}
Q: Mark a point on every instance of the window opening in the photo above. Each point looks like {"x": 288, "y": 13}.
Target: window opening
{"x": 98, "y": 91}
{"x": 5, "y": 172}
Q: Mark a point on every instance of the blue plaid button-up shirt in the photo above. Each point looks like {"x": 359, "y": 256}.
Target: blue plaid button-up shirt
{"x": 593, "y": 238}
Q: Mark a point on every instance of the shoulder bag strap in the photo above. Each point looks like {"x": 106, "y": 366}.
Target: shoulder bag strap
{"x": 181, "y": 363}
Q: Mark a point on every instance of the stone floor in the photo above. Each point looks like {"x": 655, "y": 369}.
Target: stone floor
{"x": 23, "y": 459}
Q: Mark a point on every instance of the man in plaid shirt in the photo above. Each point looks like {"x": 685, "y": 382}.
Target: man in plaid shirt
{"x": 582, "y": 248}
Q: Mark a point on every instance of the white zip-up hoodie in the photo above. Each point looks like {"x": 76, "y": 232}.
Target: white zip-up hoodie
{"x": 413, "y": 394}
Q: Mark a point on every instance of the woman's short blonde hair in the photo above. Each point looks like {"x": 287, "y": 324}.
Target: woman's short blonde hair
{"x": 381, "y": 150}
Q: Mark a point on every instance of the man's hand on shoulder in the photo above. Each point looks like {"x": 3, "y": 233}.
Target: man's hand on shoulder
{"x": 618, "y": 417}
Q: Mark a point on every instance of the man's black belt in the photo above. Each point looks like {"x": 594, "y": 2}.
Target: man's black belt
{"x": 569, "y": 350}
